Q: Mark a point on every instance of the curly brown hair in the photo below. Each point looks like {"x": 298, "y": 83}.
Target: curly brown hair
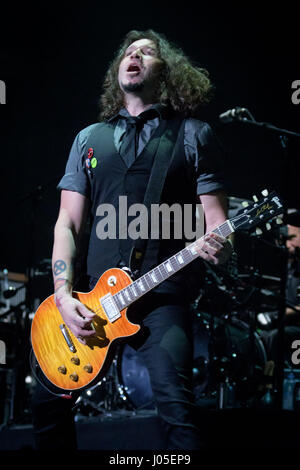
{"x": 183, "y": 87}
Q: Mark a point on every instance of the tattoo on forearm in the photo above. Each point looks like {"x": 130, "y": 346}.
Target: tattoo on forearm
{"x": 59, "y": 267}
{"x": 60, "y": 282}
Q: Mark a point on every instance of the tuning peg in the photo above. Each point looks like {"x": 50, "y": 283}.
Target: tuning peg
{"x": 265, "y": 192}
{"x": 279, "y": 221}
{"x": 258, "y": 231}
{"x": 268, "y": 226}
{"x": 255, "y": 198}
{"x": 245, "y": 203}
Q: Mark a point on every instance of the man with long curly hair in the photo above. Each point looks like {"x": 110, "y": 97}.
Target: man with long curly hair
{"x": 151, "y": 83}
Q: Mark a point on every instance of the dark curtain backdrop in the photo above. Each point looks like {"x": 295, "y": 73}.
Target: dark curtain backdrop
{"x": 53, "y": 59}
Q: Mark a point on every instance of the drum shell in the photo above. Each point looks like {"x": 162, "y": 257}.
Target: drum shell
{"x": 230, "y": 345}
{"x": 233, "y": 342}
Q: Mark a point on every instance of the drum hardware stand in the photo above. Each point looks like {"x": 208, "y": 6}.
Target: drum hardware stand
{"x": 283, "y": 134}
{"x": 226, "y": 395}
{"x": 252, "y": 309}
{"x": 34, "y": 197}
{"x": 281, "y": 326}
{"x": 113, "y": 399}
{"x": 215, "y": 361}
{"x": 219, "y": 362}
{"x": 225, "y": 389}
{"x": 17, "y": 372}
{"x": 221, "y": 365}
{"x": 251, "y": 304}
{"x": 252, "y": 315}
{"x": 114, "y": 390}
{"x": 109, "y": 403}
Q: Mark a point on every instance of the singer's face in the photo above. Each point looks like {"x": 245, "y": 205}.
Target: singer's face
{"x": 139, "y": 67}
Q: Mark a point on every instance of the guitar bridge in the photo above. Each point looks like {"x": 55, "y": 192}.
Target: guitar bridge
{"x": 67, "y": 337}
{"x": 110, "y": 307}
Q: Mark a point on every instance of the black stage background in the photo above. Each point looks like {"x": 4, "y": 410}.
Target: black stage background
{"x": 53, "y": 58}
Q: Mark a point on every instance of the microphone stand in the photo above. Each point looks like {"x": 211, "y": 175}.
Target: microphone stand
{"x": 283, "y": 136}
{"x": 267, "y": 125}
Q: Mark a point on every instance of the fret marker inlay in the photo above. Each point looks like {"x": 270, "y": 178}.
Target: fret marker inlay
{"x": 141, "y": 285}
{"x": 180, "y": 259}
{"x": 168, "y": 266}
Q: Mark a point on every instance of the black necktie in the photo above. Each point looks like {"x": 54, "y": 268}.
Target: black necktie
{"x": 129, "y": 145}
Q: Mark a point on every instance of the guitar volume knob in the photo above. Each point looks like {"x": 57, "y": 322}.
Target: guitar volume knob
{"x": 75, "y": 360}
{"x": 74, "y": 377}
{"x": 88, "y": 368}
{"x": 62, "y": 369}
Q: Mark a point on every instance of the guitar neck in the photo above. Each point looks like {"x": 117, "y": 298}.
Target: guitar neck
{"x": 163, "y": 271}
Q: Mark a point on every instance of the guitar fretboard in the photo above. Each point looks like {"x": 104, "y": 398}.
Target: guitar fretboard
{"x": 163, "y": 271}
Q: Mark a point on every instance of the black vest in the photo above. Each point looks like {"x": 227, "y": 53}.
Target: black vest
{"x": 110, "y": 178}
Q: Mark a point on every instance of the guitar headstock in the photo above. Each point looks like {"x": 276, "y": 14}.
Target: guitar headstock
{"x": 259, "y": 212}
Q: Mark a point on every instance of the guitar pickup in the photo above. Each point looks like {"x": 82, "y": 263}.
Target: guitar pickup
{"x": 110, "y": 307}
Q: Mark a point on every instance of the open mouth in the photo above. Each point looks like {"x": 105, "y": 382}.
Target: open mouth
{"x": 133, "y": 68}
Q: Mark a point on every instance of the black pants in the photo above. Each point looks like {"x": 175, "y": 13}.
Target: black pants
{"x": 166, "y": 346}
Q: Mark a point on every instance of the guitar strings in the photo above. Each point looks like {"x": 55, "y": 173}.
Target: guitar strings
{"x": 219, "y": 229}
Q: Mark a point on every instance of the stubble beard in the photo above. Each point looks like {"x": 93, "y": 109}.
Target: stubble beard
{"x": 133, "y": 87}
{"x": 153, "y": 80}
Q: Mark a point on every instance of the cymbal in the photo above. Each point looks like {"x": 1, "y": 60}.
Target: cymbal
{"x": 267, "y": 296}
{"x": 16, "y": 277}
{"x": 264, "y": 281}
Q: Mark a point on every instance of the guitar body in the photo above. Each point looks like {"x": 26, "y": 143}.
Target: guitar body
{"x": 85, "y": 364}
{"x": 71, "y": 365}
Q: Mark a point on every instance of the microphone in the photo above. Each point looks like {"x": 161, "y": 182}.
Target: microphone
{"x": 233, "y": 114}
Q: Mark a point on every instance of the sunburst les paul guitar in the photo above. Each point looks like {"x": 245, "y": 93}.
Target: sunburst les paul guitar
{"x": 71, "y": 365}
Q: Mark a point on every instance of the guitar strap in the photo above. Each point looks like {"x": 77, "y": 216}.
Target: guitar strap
{"x": 143, "y": 253}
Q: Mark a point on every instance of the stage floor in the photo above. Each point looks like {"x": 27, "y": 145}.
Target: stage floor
{"x": 230, "y": 428}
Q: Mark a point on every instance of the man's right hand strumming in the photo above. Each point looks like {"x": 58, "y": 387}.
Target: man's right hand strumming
{"x": 76, "y": 316}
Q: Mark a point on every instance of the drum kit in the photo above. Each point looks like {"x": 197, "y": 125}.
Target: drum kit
{"x": 16, "y": 381}
{"x": 232, "y": 308}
